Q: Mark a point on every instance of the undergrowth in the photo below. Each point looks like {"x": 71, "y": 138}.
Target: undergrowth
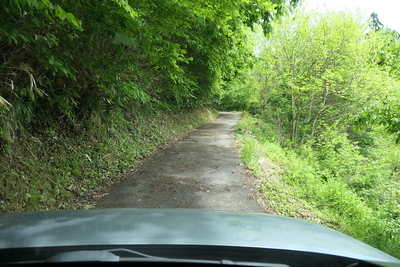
{"x": 330, "y": 182}
{"x": 58, "y": 169}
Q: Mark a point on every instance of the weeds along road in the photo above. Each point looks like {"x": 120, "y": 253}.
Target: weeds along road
{"x": 202, "y": 170}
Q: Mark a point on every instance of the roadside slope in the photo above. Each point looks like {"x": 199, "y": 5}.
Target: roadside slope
{"x": 68, "y": 168}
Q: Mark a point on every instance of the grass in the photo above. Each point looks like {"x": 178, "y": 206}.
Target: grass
{"x": 302, "y": 185}
{"x": 56, "y": 169}
{"x": 280, "y": 198}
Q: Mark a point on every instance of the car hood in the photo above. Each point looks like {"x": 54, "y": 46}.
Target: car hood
{"x": 179, "y": 227}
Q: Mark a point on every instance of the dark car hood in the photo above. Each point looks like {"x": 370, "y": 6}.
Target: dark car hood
{"x": 179, "y": 227}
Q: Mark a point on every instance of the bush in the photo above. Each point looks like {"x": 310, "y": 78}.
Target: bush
{"x": 353, "y": 192}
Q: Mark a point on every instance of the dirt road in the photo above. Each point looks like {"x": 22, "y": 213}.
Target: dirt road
{"x": 202, "y": 170}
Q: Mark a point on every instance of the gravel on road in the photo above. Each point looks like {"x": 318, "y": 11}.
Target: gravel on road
{"x": 200, "y": 171}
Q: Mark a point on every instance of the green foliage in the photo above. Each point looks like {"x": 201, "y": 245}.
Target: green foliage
{"x": 72, "y": 60}
{"x": 375, "y": 23}
{"x": 262, "y": 130}
{"x": 356, "y": 194}
{"x": 249, "y": 153}
{"x": 312, "y": 67}
{"x": 386, "y": 115}
{"x": 77, "y": 78}
{"x": 385, "y": 50}
{"x": 339, "y": 158}
{"x": 239, "y": 93}
{"x": 58, "y": 169}
{"x": 383, "y": 111}
{"x": 318, "y": 126}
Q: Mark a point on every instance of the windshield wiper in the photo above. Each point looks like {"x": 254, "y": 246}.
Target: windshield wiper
{"x": 127, "y": 255}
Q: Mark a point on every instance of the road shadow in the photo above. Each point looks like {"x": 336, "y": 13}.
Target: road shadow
{"x": 201, "y": 171}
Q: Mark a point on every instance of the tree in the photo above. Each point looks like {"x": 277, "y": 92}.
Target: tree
{"x": 386, "y": 114}
{"x": 79, "y": 59}
{"x": 375, "y": 23}
{"x": 385, "y": 60}
{"x": 313, "y": 66}
{"x": 385, "y": 50}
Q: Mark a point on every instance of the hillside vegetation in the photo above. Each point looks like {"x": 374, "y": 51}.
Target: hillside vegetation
{"x": 66, "y": 171}
{"x": 89, "y": 88}
{"x": 325, "y": 125}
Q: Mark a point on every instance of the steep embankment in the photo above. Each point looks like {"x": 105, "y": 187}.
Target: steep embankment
{"x": 67, "y": 169}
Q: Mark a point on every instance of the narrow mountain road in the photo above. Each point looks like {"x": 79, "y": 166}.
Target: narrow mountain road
{"x": 202, "y": 170}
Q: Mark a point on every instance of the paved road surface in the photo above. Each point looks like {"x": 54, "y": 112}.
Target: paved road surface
{"x": 202, "y": 170}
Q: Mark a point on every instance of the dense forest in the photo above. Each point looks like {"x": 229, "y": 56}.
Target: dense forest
{"x": 89, "y": 88}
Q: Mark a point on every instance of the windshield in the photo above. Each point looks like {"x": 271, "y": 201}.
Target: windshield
{"x": 260, "y": 124}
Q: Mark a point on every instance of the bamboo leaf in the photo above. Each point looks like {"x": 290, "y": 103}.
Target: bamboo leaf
{"x": 4, "y": 103}
{"x": 25, "y": 67}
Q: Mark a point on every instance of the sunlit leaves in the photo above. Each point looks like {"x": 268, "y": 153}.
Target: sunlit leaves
{"x": 313, "y": 62}
{"x": 45, "y": 6}
{"x": 125, "y": 5}
{"x": 387, "y": 115}
{"x": 385, "y": 50}
{"x": 87, "y": 56}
